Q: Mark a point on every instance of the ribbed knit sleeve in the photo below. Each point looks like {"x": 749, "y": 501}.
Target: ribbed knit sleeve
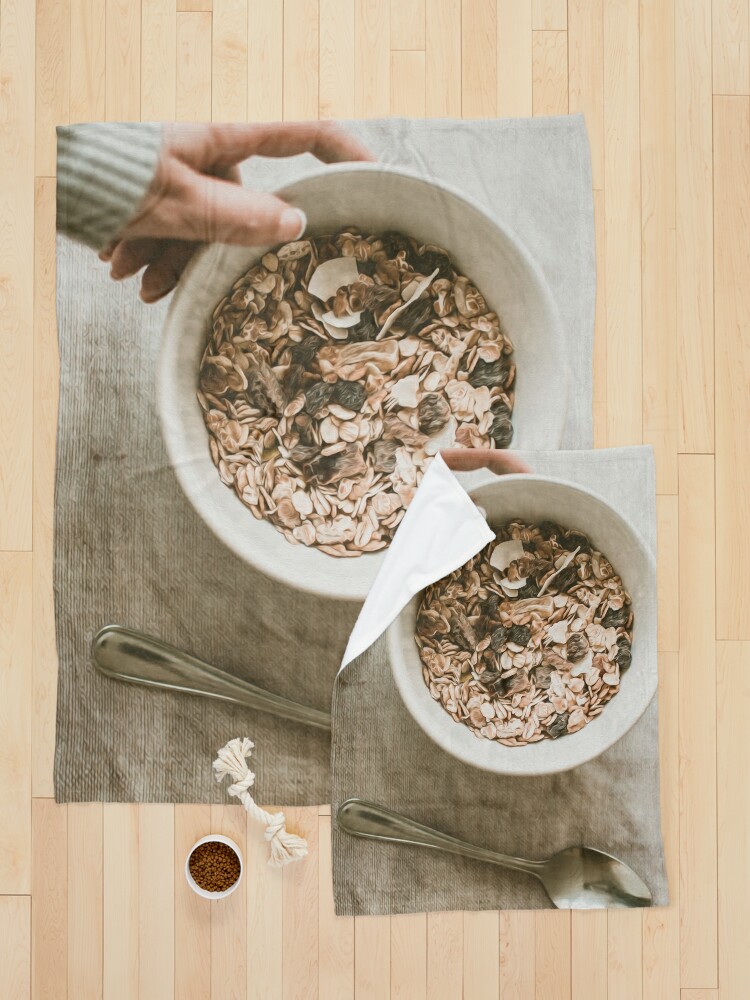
{"x": 103, "y": 173}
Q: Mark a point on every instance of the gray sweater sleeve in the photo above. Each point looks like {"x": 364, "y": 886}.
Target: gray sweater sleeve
{"x": 103, "y": 173}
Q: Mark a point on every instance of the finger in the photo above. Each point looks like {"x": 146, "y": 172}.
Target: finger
{"x": 130, "y": 256}
{"x": 105, "y": 254}
{"x": 221, "y": 146}
{"x": 498, "y": 461}
{"x": 161, "y": 276}
{"x": 210, "y": 210}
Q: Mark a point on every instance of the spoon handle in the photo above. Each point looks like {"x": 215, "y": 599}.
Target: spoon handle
{"x": 366, "y": 819}
{"x": 131, "y": 656}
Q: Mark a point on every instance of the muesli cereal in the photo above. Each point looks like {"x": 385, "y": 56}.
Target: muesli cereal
{"x": 336, "y": 368}
{"x": 528, "y": 639}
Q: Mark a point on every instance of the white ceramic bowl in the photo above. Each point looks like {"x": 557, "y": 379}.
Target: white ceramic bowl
{"x": 536, "y": 498}
{"x": 375, "y": 199}
{"x": 213, "y": 838}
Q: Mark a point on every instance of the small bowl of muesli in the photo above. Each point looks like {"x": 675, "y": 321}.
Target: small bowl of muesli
{"x": 304, "y": 388}
{"x": 538, "y": 654}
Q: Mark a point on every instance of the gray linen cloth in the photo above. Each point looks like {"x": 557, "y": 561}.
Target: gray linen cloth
{"x": 381, "y": 754}
{"x": 130, "y": 549}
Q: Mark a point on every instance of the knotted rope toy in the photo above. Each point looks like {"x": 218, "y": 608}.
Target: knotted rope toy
{"x": 232, "y": 761}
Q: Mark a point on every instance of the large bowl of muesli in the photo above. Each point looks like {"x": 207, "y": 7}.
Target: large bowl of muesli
{"x": 538, "y": 654}
{"x": 304, "y": 388}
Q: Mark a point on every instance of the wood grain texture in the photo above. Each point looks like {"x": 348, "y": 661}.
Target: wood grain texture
{"x": 664, "y": 91}
{"x": 732, "y": 318}
{"x": 229, "y": 974}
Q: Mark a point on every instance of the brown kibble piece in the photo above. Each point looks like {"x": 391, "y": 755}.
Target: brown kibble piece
{"x": 214, "y": 866}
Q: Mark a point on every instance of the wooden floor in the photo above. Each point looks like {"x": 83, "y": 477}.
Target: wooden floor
{"x": 92, "y": 899}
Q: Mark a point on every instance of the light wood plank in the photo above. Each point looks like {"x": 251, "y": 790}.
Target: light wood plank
{"x": 408, "y": 84}
{"x": 229, "y": 61}
{"x": 229, "y": 972}
{"x": 517, "y": 955}
{"x": 661, "y": 925}
{"x": 514, "y": 59}
{"x": 733, "y": 807}
{"x": 552, "y": 958}
{"x": 479, "y": 58}
{"x": 443, "y": 58}
{"x": 46, "y": 376}
{"x": 85, "y": 901}
{"x": 667, "y": 573}
{"x": 49, "y": 889}
{"x": 445, "y": 973}
{"x": 265, "y": 61}
{"x": 300, "y": 60}
{"x": 588, "y": 954}
{"x": 121, "y": 890}
{"x": 336, "y": 934}
{"x": 372, "y": 958}
{"x": 697, "y": 715}
{"x": 409, "y": 956}
{"x": 550, "y": 15}
{"x": 372, "y": 61}
{"x": 694, "y": 224}
{"x": 601, "y": 422}
{"x": 123, "y": 60}
{"x": 550, "y": 72}
{"x": 336, "y": 87}
{"x": 192, "y": 915}
{"x": 659, "y": 302}
{"x": 52, "y": 79}
{"x": 407, "y": 25}
{"x": 158, "y": 61}
{"x": 622, "y": 275}
{"x": 732, "y": 312}
{"x": 193, "y": 72}
{"x": 586, "y": 76}
{"x": 482, "y": 955}
{"x": 15, "y": 947}
{"x": 15, "y": 722}
{"x": 196, "y": 6}
{"x": 300, "y": 905}
{"x": 699, "y": 994}
{"x": 624, "y": 981}
{"x": 264, "y": 917}
{"x": 156, "y": 901}
{"x": 16, "y": 271}
{"x": 87, "y": 60}
{"x": 731, "y": 46}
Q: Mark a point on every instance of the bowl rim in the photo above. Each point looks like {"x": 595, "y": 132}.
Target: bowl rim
{"x": 168, "y": 401}
{"x": 571, "y": 759}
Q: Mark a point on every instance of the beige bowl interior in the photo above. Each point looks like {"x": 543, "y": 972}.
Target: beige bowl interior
{"x": 533, "y": 499}
{"x": 375, "y": 199}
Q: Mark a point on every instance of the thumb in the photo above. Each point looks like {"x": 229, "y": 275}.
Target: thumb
{"x": 219, "y": 211}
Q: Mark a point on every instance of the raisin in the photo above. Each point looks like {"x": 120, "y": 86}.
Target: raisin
{"x": 498, "y": 638}
{"x": 548, "y": 529}
{"x": 394, "y": 243}
{"x": 529, "y": 589}
{"x": 462, "y": 631}
{"x": 615, "y": 618}
{"x": 304, "y": 353}
{"x": 351, "y": 395}
{"x": 317, "y": 395}
{"x": 416, "y": 315}
{"x": 559, "y": 726}
{"x": 490, "y": 605}
{"x": 624, "y": 655}
{"x": 519, "y": 634}
{"x": 366, "y": 329}
{"x": 384, "y": 455}
{"x": 577, "y": 647}
{"x": 366, "y": 267}
{"x": 573, "y": 540}
{"x": 565, "y": 579}
{"x": 542, "y": 675}
{"x": 430, "y": 260}
{"x": 489, "y": 373}
{"x": 433, "y": 412}
{"x": 501, "y": 431}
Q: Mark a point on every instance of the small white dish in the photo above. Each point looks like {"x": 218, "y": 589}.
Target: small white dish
{"x": 213, "y": 838}
{"x": 375, "y": 199}
{"x": 533, "y": 499}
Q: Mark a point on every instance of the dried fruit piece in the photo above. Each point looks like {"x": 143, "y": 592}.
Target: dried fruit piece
{"x": 489, "y": 373}
{"x": 519, "y": 634}
{"x": 345, "y": 464}
{"x": 577, "y": 647}
{"x": 616, "y": 618}
{"x": 351, "y": 395}
{"x": 498, "y": 638}
{"x": 318, "y": 395}
{"x": 559, "y": 726}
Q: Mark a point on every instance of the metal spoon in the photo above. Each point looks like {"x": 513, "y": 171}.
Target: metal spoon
{"x": 131, "y": 656}
{"x": 578, "y": 878}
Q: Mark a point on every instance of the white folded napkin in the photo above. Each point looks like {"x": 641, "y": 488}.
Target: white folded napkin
{"x": 441, "y": 530}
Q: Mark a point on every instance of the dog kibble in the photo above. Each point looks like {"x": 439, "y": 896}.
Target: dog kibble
{"x": 214, "y": 866}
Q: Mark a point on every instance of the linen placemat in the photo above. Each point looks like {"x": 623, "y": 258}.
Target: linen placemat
{"x": 130, "y": 549}
{"x": 381, "y": 754}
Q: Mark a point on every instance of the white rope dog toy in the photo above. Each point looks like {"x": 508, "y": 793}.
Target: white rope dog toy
{"x": 285, "y": 846}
